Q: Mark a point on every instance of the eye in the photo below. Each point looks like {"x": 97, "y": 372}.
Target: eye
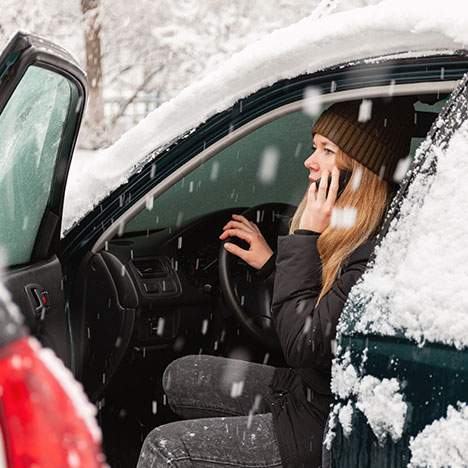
{"x": 329, "y": 151}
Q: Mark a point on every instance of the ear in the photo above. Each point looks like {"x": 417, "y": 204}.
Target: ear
{"x": 343, "y": 161}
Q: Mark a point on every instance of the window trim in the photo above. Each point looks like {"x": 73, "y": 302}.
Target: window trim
{"x": 218, "y": 146}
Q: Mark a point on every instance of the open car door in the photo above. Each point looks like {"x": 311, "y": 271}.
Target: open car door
{"x": 42, "y": 98}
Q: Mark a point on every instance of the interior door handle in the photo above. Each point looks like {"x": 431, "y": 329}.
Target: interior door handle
{"x": 39, "y": 299}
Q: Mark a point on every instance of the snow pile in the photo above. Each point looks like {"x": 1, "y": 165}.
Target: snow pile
{"x": 383, "y": 406}
{"x": 345, "y": 416}
{"x": 417, "y": 285}
{"x": 379, "y": 400}
{"x": 344, "y": 377}
{"x": 393, "y": 26}
{"x": 444, "y": 442}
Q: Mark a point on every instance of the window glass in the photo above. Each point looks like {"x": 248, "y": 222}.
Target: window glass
{"x": 264, "y": 166}
{"x": 31, "y": 127}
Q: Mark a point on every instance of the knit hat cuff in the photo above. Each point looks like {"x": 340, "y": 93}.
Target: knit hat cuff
{"x": 371, "y": 150}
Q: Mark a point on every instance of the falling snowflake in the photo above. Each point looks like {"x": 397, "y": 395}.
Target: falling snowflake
{"x": 365, "y": 110}
{"x": 312, "y": 103}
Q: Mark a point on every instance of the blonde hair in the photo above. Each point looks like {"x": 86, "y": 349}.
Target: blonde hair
{"x": 370, "y": 200}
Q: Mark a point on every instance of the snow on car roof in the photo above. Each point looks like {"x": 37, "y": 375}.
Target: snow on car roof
{"x": 392, "y": 26}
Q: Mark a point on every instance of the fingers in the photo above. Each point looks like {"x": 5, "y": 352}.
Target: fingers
{"x": 236, "y": 250}
{"x": 256, "y": 228}
{"x": 238, "y": 233}
{"x": 332, "y": 193}
{"x": 323, "y": 186}
{"x": 312, "y": 190}
{"x": 233, "y": 248}
{"x": 237, "y": 224}
{"x": 245, "y": 221}
{"x": 320, "y": 202}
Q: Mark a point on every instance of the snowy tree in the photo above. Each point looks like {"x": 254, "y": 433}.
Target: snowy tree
{"x": 183, "y": 40}
{"x": 93, "y": 60}
{"x": 35, "y": 16}
{"x": 140, "y": 54}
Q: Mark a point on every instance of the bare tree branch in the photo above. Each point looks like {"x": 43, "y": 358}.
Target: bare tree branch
{"x": 132, "y": 98}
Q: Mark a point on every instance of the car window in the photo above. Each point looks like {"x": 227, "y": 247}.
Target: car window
{"x": 264, "y": 166}
{"x": 31, "y": 127}
{"x": 415, "y": 288}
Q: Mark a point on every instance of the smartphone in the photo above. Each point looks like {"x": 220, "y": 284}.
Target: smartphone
{"x": 342, "y": 181}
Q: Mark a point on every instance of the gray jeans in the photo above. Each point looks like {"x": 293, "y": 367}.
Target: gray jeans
{"x": 231, "y": 398}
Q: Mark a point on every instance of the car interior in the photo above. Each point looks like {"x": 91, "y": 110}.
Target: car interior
{"x": 143, "y": 278}
{"x": 163, "y": 286}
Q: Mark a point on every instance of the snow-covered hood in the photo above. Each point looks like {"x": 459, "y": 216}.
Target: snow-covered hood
{"x": 392, "y": 26}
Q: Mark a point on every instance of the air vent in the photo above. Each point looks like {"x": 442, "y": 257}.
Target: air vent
{"x": 149, "y": 267}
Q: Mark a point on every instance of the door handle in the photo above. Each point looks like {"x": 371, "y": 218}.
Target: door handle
{"x": 39, "y": 299}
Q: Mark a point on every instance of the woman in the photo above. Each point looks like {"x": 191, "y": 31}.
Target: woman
{"x": 275, "y": 417}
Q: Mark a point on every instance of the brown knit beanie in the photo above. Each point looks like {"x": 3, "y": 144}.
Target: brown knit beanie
{"x": 379, "y": 141}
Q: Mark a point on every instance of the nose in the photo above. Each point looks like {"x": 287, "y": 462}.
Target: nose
{"x": 311, "y": 161}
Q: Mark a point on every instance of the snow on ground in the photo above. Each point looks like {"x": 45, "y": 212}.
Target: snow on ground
{"x": 389, "y": 27}
{"x": 428, "y": 250}
{"x": 444, "y": 442}
{"x": 379, "y": 400}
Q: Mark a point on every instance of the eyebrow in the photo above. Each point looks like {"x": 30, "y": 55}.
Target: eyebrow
{"x": 326, "y": 145}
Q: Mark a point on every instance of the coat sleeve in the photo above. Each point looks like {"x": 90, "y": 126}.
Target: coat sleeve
{"x": 304, "y": 330}
{"x": 267, "y": 269}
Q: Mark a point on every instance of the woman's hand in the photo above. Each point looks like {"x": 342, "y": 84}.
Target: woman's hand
{"x": 259, "y": 251}
{"x": 319, "y": 206}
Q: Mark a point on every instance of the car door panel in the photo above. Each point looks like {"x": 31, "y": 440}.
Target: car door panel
{"x": 42, "y": 98}
{"x": 38, "y": 291}
{"x": 425, "y": 373}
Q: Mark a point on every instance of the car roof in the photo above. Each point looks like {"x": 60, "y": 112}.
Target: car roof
{"x": 390, "y": 29}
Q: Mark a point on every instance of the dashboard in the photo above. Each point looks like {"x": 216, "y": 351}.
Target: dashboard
{"x": 147, "y": 289}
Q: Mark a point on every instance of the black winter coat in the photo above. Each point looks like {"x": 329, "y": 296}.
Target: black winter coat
{"x": 301, "y": 392}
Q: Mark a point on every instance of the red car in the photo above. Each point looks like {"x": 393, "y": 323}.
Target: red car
{"x": 46, "y": 420}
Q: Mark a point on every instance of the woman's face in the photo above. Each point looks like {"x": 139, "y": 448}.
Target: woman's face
{"x": 323, "y": 157}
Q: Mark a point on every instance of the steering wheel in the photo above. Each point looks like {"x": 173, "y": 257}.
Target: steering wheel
{"x": 248, "y": 296}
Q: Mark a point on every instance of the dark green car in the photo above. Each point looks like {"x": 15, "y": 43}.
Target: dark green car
{"x": 141, "y": 277}
{"x": 401, "y": 374}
